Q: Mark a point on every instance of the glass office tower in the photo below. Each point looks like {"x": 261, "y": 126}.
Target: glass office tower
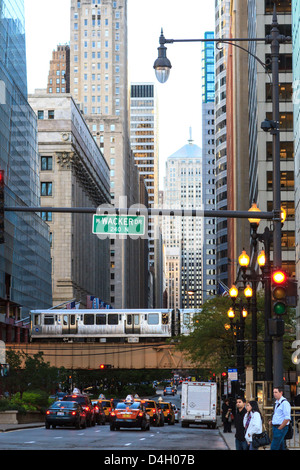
{"x": 25, "y": 263}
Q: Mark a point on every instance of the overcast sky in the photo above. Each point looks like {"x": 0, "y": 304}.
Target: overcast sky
{"x": 179, "y": 98}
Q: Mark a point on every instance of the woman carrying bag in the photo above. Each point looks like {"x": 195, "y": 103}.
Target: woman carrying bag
{"x": 252, "y": 422}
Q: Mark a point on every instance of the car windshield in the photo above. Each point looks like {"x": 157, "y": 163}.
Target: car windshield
{"x": 164, "y": 406}
{"x": 150, "y": 404}
{"x": 80, "y": 400}
{"x": 168, "y": 388}
{"x": 62, "y": 404}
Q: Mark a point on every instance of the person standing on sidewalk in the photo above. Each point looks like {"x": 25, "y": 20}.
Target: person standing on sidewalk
{"x": 226, "y": 415}
{"x": 280, "y": 419}
{"x": 252, "y": 422}
{"x": 240, "y": 441}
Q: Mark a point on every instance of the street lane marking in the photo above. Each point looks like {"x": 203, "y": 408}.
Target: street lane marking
{"x": 29, "y": 442}
{"x": 142, "y": 438}
{"x": 129, "y": 444}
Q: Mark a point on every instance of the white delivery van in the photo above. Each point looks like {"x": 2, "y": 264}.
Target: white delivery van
{"x": 199, "y": 403}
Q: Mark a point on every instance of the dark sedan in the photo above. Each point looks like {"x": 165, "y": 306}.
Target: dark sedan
{"x": 129, "y": 415}
{"x": 65, "y": 413}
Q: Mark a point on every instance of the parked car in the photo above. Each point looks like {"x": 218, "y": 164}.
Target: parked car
{"x": 67, "y": 413}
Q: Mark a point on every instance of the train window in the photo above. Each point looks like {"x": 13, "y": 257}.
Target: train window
{"x": 88, "y": 319}
{"x": 153, "y": 319}
{"x": 165, "y": 318}
{"x": 49, "y": 320}
{"x": 65, "y": 320}
{"x": 129, "y": 320}
{"x": 100, "y": 319}
{"x": 113, "y": 319}
{"x": 36, "y": 319}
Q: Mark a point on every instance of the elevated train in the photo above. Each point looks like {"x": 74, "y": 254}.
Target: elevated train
{"x": 100, "y": 325}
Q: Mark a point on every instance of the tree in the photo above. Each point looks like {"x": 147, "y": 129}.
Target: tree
{"x": 213, "y": 346}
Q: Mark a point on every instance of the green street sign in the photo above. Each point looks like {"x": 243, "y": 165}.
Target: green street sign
{"x": 119, "y": 224}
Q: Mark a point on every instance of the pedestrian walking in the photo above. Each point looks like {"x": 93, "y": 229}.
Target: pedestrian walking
{"x": 240, "y": 441}
{"x": 252, "y": 422}
{"x": 226, "y": 415}
{"x": 280, "y": 419}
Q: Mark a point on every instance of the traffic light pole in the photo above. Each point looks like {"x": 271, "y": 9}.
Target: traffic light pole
{"x": 275, "y": 38}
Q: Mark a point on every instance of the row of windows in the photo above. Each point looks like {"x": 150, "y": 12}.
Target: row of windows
{"x": 105, "y": 319}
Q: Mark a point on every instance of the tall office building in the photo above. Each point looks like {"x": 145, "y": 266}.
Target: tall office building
{"x": 208, "y": 166}
{"x": 296, "y": 101}
{"x": 222, "y": 22}
{"x": 98, "y": 83}
{"x": 144, "y": 145}
{"x": 59, "y": 73}
{"x": 73, "y": 173}
{"x": 260, "y": 106}
{"x": 25, "y": 262}
{"x": 182, "y": 236}
{"x": 237, "y": 126}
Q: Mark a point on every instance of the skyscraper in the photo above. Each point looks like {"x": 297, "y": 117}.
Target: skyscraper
{"x": 208, "y": 167}
{"x": 25, "y": 262}
{"x": 182, "y": 236}
{"x": 144, "y": 145}
{"x": 222, "y": 15}
{"x": 98, "y": 83}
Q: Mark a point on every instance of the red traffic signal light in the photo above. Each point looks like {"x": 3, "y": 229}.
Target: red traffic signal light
{"x": 105, "y": 366}
{"x": 279, "y": 277}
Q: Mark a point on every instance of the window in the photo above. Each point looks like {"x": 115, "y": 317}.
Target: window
{"x": 46, "y": 189}
{"x": 40, "y": 114}
{"x": 113, "y": 319}
{"x": 49, "y": 320}
{"x": 51, "y": 114}
{"x": 46, "y": 163}
{"x": 153, "y": 319}
{"x": 286, "y": 180}
{"x": 100, "y": 319}
{"x": 88, "y": 319}
{"x": 46, "y": 216}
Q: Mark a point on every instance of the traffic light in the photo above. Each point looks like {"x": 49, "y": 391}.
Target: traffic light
{"x": 279, "y": 291}
{"x": 105, "y": 366}
{"x": 2, "y": 206}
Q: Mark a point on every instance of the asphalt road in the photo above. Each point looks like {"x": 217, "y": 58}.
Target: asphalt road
{"x": 172, "y": 438}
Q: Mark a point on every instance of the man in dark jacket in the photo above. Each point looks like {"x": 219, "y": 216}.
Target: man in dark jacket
{"x": 240, "y": 442}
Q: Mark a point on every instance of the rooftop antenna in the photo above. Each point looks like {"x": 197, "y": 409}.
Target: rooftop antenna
{"x": 190, "y": 139}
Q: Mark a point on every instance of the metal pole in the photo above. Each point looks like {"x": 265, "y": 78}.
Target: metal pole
{"x": 275, "y": 37}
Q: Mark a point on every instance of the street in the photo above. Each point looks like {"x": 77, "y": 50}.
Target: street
{"x": 172, "y": 438}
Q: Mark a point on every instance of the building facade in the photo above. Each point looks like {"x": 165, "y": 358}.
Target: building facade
{"x": 222, "y": 22}
{"x": 73, "y": 173}
{"x": 25, "y": 262}
{"x": 182, "y": 236}
{"x": 59, "y": 73}
{"x": 260, "y": 107}
{"x": 208, "y": 167}
{"x": 99, "y": 85}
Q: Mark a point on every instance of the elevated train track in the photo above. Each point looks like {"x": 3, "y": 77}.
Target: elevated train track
{"x": 89, "y": 356}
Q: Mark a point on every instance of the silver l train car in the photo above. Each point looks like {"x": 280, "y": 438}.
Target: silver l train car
{"x": 100, "y": 325}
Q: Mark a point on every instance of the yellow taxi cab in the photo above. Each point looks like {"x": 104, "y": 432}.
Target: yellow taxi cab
{"x": 129, "y": 414}
{"x": 106, "y": 405}
{"x": 168, "y": 412}
{"x": 153, "y": 411}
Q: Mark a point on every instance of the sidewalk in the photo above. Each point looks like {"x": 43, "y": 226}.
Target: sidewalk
{"x": 16, "y": 427}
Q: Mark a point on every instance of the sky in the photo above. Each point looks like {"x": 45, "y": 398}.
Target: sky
{"x": 179, "y": 99}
